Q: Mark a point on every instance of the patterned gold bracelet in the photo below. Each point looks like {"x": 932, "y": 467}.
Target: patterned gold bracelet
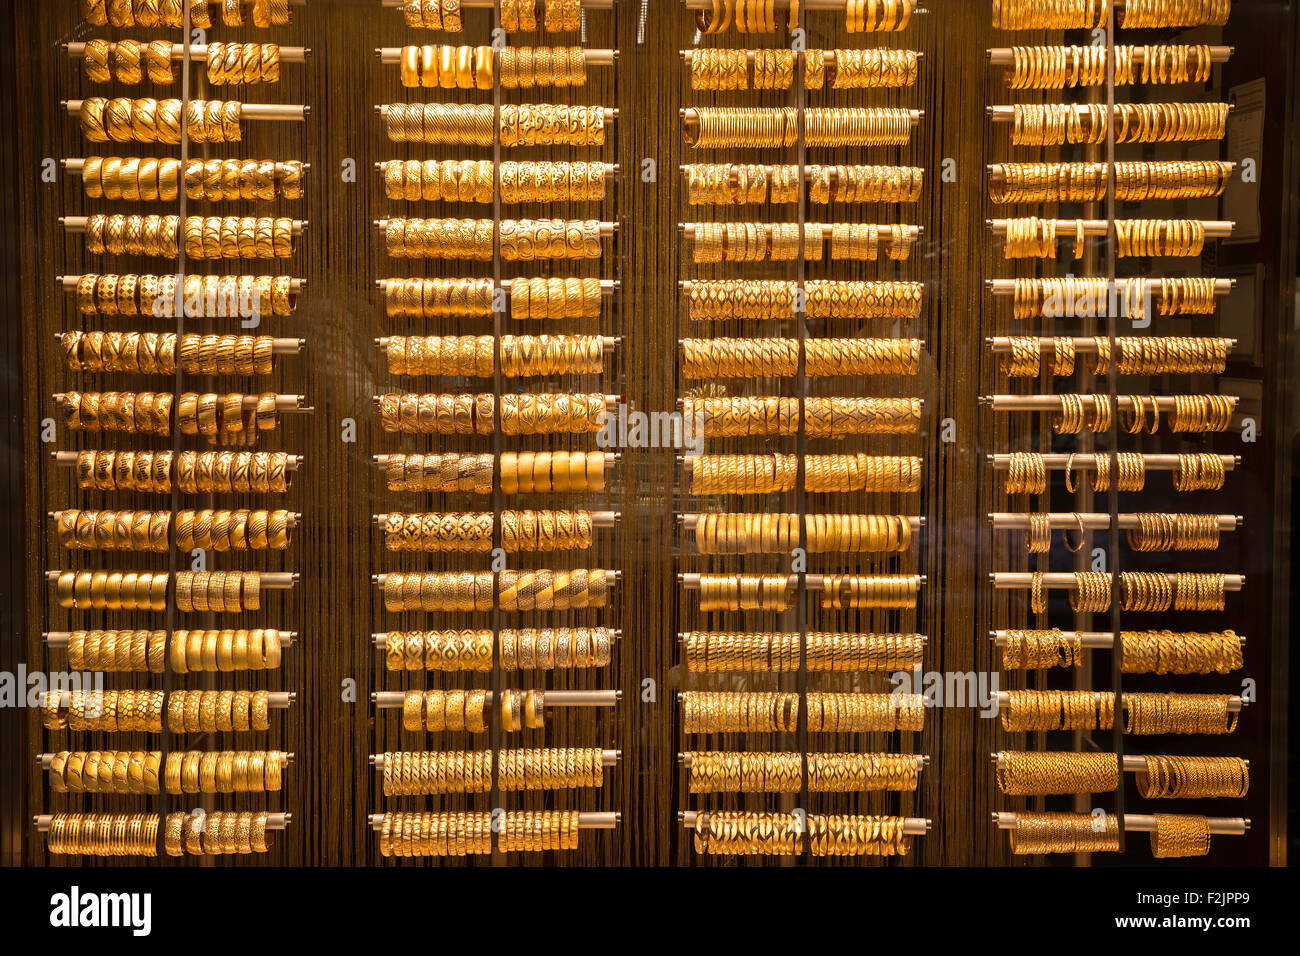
{"x": 719, "y": 652}
{"x": 1035, "y": 773}
{"x": 1087, "y": 182}
{"x": 1040, "y": 833}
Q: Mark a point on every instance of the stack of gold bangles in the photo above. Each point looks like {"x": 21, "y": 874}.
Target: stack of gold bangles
{"x": 414, "y": 773}
{"x": 741, "y": 833}
{"x": 150, "y": 179}
{"x": 519, "y": 240}
{"x": 845, "y": 591}
{"x": 221, "y": 419}
{"x": 125, "y": 120}
{"x": 748, "y": 772}
{"x": 715, "y": 712}
{"x": 1056, "y": 124}
{"x": 243, "y": 63}
{"x": 715, "y": 652}
{"x": 823, "y": 417}
{"x": 1087, "y": 182}
{"x": 239, "y": 529}
{"x": 1134, "y": 355}
{"x": 187, "y": 711}
{"x": 532, "y": 124}
{"x": 459, "y": 834}
{"x": 724, "y": 127}
{"x": 740, "y": 184}
{"x": 474, "y": 355}
{"x": 206, "y": 296}
{"x": 773, "y": 357}
{"x": 779, "y": 533}
{"x": 190, "y": 651}
{"x": 765, "y": 474}
{"x": 1088, "y": 15}
{"x": 444, "y": 15}
{"x": 194, "y": 472}
{"x": 540, "y": 590}
{"x": 439, "y": 710}
{"x": 1038, "y": 773}
{"x": 1059, "y": 67}
{"x": 528, "y": 648}
{"x": 467, "y": 180}
{"x": 477, "y": 414}
{"x": 185, "y": 771}
{"x": 472, "y": 531}
{"x": 1144, "y": 713}
{"x": 157, "y": 353}
{"x": 130, "y": 61}
{"x": 521, "y": 472}
{"x": 1037, "y": 833}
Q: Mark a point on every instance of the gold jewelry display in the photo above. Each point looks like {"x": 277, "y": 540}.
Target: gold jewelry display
{"x": 823, "y": 417}
{"x": 444, "y": 15}
{"x": 714, "y": 712}
{"x": 220, "y": 419}
{"x": 1087, "y": 182}
{"x": 209, "y": 296}
{"x": 533, "y": 124}
{"x": 1027, "y": 710}
{"x": 521, "y": 355}
{"x": 217, "y": 530}
{"x": 744, "y": 833}
{"x": 521, "y": 531}
{"x": 157, "y": 353}
{"x": 769, "y": 127}
{"x": 738, "y": 184}
{"x": 185, "y": 771}
{"x": 1183, "y": 777}
{"x": 563, "y": 648}
{"x": 194, "y": 472}
{"x": 478, "y": 414}
{"x": 541, "y": 590}
{"x": 160, "y": 179}
{"x": 415, "y": 773}
{"x": 460, "y": 834}
{"x": 1180, "y": 835}
{"x": 1154, "y": 713}
{"x": 1169, "y": 652}
{"x": 1040, "y": 833}
{"x": 1037, "y": 650}
{"x": 779, "y": 533}
{"x": 845, "y": 591}
{"x": 1062, "y": 67}
{"x": 720, "y": 652}
{"x": 745, "y": 592}
{"x": 1035, "y": 773}
{"x": 125, "y": 120}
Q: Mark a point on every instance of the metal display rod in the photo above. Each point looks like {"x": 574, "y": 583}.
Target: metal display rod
{"x": 1096, "y": 639}
{"x": 599, "y": 519}
{"x": 68, "y": 459}
{"x": 814, "y": 582}
{"x": 922, "y": 761}
{"x": 611, "y": 578}
{"x": 689, "y": 521}
{"x": 1065, "y": 228}
{"x": 267, "y": 580}
{"x": 248, "y": 111}
{"x": 1132, "y": 764}
{"x": 274, "y": 821}
{"x": 393, "y": 699}
{"x": 1005, "y": 56}
{"x": 1145, "y": 823}
{"x": 1052, "y": 403}
{"x": 1009, "y": 521}
{"x": 69, "y": 283}
{"x": 608, "y": 758}
{"x": 1235, "y": 704}
{"x": 198, "y": 51}
{"x": 912, "y": 826}
{"x": 1002, "y": 462}
{"x": 381, "y": 640}
{"x": 59, "y": 639}
{"x": 1018, "y": 580}
{"x": 393, "y": 54}
{"x": 826, "y": 230}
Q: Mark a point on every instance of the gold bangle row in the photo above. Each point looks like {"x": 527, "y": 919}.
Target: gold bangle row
{"x": 1180, "y": 835}
{"x": 1027, "y": 710}
{"x": 541, "y": 590}
{"x": 747, "y": 16}
{"x": 160, "y": 296}
{"x": 746, "y": 833}
{"x": 876, "y": 16}
{"x": 543, "y": 649}
{"x": 718, "y": 712}
{"x": 766, "y": 474}
{"x": 203, "y": 237}
{"x": 521, "y": 531}
{"x": 444, "y": 15}
{"x": 1136, "y": 14}
{"x": 1174, "y": 532}
{"x": 1187, "y": 652}
{"x": 439, "y": 298}
{"x": 187, "y": 711}
{"x": 1129, "y": 467}
{"x": 448, "y": 67}
{"x": 128, "y": 61}
{"x": 217, "y": 530}
{"x": 219, "y": 418}
{"x": 784, "y": 241}
{"x": 192, "y": 652}
{"x": 530, "y": 67}
{"x": 723, "y": 127}
{"x": 218, "y": 591}
{"x": 858, "y": 69}
{"x": 156, "y": 353}
{"x": 474, "y": 355}
{"x": 521, "y": 472}
{"x": 720, "y": 771}
{"x": 845, "y": 591}
{"x": 1139, "y": 591}
{"x": 1154, "y": 713}
{"x": 774, "y": 357}
{"x": 171, "y": 13}
{"x": 533, "y": 124}
{"x": 112, "y": 590}
{"x": 1184, "y": 777}
{"x": 1059, "y": 67}
{"x": 216, "y": 832}
{"x": 1093, "y": 412}
{"x": 1159, "y": 237}
{"x": 520, "y": 240}
{"x": 467, "y": 180}
{"x": 195, "y": 472}
{"x": 103, "y": 834}
{"x": 720, "y": 652}
{"x": 823, "y": 417}
{"x": 459, "y": 834}
{"x": 1039, "y": 833}
{"x": 719, "y": 533}
{"x": 117, "y": 651}
{"x": 1127, "y": 298}
{"x": 160, "y": 179}
{"x": 185, "y": 771}
{"x": 125, "y": 120}
{"x": 1037, "y": 650}
{"x": 555, "y": 298}
{"x": 438, "y": 710}
{"x": 1056, "y": 124}
{"x": 477, "y": 414}
{"x": 231, "y": 64}
{"x": 745, "y": 592}
{"x": 558, "y": 16}
{"x": 1087, "y": 182}
{"x": 1091, "y": 14}
{"x": 1038, "y": 773}
{"x": 417, "y": 773}
{"x": 742, "y": 184}
{"x": 1025, "y": 357}
{"x": 1135, "y": 355}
